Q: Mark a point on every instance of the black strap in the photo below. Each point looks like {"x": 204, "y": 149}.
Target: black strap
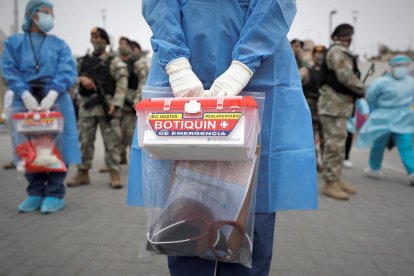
{"x": 37, "y": 59}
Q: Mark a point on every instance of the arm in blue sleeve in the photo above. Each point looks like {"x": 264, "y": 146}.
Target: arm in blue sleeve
{"x": 168, "y": 40}
{"x": 373, "y": 93}
{"x": 66, "y": 71}
{"x": 362, "y": 106}
{"x": 267, "y": 24}
{"x": 11, "y": 73}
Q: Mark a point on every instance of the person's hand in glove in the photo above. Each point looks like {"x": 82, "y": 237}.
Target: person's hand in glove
{"x": 232, "y": 81}
{"x": 49, "y": 100}
{"x": 183, "y": 81}
{"x": 29, "y": 101}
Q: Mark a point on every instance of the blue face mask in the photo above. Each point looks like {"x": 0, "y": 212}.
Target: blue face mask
{"x": 400, "y": 72}
{"x": 45, "y": 22}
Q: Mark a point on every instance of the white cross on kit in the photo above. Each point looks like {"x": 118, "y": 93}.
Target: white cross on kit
{"x": 224, "y": 124}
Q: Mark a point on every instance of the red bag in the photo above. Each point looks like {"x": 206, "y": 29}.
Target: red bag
{"x": 37, "y": 133}
{"x": 41, "y": 155}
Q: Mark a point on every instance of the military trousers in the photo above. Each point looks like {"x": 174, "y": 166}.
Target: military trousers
{"x": 316, "y": 124}
{"x": 128, "y": 122}
{"x": 111, "y": 135}
{"x": 335, "y": 133}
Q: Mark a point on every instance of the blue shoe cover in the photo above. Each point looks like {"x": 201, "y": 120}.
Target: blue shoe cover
{"x": 52, "y": 204}
{"x": 30, "y": 204}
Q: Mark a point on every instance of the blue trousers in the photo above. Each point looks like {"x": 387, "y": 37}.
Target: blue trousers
{"x": 46, "y": 184}
{"x": 264, "y": 228}
{"x": 404, "y": 144}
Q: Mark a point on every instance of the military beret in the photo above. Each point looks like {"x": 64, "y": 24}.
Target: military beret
{"x": 101, "y": 32}
{"x": 342, "y": 31}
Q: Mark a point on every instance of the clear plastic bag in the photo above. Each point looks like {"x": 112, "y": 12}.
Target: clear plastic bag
{"x": 200, "y": 208}
{"x": 36, "y": 140}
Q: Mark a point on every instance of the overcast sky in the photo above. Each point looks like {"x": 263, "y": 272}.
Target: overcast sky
{"x": 389, "y": 22}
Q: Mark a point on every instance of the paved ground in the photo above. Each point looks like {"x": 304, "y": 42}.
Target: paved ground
{"x": 372, "y": 234}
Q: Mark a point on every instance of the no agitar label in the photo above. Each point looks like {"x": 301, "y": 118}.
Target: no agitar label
{"x": 210, "y": 124}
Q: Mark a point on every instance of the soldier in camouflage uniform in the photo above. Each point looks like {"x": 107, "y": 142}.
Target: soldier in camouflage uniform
{"x": 311, "y": 91}
{"x": 100, "y": 71}
{"x": 138, "y": 71}
{"x": 335, "y": 106}
{"x": 297, "y": 48}
{"x": 130, "y": 53}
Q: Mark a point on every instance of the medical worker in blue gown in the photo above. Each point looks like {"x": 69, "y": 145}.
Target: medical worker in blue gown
{"x": 224, "y": 47}
{"x": 35, "y": 56}
{"x": 390, "y": 100}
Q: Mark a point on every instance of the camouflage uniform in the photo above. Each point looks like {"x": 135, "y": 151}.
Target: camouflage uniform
{"x": 128, "y": 120}
{"x": 111, "y": 131}
{"x": 334, "y": 108}
{"x": 316, "y": 123}
{"x": 311, "y": 91}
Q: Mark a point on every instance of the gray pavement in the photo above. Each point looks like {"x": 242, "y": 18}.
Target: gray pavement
{"x": 97, "y": 234}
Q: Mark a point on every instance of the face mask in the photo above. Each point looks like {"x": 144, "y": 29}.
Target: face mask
{"x": 124, "y": 50}
{"x": 45, "y": 22}
{"x": 99, "y": 46}
{"x": 319, "y": 60}
{"x": 400, "y": 72}
{"x": 136, "y": 54}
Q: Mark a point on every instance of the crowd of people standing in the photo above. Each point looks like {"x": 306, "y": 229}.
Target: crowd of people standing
{"x": 255, "y": 56}
{"x": 337, "y": 94}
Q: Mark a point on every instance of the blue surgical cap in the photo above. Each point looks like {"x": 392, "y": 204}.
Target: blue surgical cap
{"x": 399, "y": 59}
{"x": 31, "y": 8}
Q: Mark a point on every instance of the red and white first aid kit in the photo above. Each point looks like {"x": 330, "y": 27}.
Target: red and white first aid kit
{"x": 211, "y": 129}
{"x": 36, "y": 136}
{"x": 38, "y": 122}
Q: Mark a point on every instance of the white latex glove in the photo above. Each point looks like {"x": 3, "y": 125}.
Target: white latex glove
{"x": 29, "y": 101}
{"x": 49, "y": 100}
{"x": 232, "y": 81}
{"x": 183, "y": 81}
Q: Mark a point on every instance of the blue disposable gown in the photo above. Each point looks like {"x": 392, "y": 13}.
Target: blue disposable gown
{"x": 213, "y": 33}
{"x": 361, "y": 106}
{"x": 390, "y": 101}
{"x": 57, "y": 69}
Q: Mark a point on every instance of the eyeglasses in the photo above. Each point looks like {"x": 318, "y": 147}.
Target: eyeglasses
{"x": 400, "y": 65}
{"x": 45, "y": 10}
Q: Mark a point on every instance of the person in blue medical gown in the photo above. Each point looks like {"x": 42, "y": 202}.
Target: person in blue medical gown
{"x": 219, "y": 48}
{"x": 361, "y": 107}
{"x": 38, "y": 61}
{"x": 390, "y": 99}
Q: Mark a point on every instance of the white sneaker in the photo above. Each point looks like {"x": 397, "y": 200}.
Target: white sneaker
{"x": 411, "y": 179}
{"x": 377, "y": 174}
{"x": 348, "y": 164}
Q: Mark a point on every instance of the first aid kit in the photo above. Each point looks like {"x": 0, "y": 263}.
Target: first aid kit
{"x": 200, "y": 160}
{"x": 35, "y": 138}
{"x": 209, "y": 128}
